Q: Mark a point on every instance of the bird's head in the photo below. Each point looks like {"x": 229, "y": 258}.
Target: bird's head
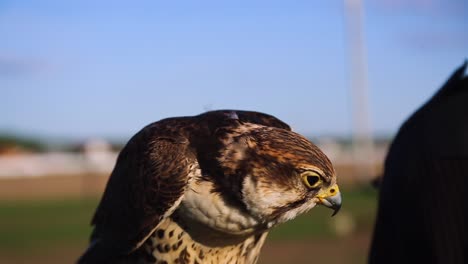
{"x": 282, "y": 173}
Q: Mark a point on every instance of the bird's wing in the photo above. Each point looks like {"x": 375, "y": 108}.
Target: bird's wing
{"x": 146, "y": 185}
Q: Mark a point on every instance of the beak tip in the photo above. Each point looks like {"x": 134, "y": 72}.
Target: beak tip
{"x": 337, "y": 209}
{"x": 333, "y": 202}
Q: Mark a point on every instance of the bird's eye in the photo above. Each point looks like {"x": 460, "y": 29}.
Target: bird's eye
{"x": 311, "y": 179}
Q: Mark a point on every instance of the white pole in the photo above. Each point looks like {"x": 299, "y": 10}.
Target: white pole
{"x": 363, "y": 147}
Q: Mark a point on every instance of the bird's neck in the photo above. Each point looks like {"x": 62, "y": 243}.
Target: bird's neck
{"x": 215, "y": 212}
{"x": 172, "y": 242}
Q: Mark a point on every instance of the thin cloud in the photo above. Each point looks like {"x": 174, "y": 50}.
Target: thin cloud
{"x": 19, "y": 66}
{"x": 435, "y": 41}
{"x": 444, "y": 8}
{"x": 405, "y": 4}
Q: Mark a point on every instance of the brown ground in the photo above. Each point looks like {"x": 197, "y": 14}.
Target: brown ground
{"x": 337, "y": 251}
{"x": 349, "y": 250}
{"x": 51, "y": 187}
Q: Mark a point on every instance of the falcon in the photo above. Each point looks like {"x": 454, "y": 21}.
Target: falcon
{"x": 207, "y": 189}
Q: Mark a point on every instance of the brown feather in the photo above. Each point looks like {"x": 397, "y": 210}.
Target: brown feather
{"x": 151, "y": 174}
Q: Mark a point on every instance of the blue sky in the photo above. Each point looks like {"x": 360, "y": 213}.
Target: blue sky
{"x": 81, "y": 69}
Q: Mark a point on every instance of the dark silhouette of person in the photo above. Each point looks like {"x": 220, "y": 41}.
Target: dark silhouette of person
{"x": 423, "y": 204}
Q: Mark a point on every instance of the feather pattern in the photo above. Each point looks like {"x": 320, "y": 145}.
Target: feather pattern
{"x": 215, "y": 179}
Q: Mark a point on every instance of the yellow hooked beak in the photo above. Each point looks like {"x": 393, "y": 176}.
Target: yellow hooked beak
{"x": 331, "y": 198}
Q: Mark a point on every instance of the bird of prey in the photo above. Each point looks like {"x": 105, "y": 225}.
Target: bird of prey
{"x": 207, "y": 189}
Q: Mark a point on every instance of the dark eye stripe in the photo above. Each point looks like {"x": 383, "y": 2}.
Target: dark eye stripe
{"x": 281, "y": 210}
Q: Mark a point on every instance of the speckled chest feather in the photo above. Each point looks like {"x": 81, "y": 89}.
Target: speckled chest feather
{"x": 171, "y": 243}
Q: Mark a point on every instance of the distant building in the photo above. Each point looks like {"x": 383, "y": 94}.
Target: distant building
{"x": 92, "y": 157}
{"x": 98, "y": 155}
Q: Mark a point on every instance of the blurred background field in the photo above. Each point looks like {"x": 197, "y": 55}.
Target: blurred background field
{"x": 46, "y": 220}
{"x": 48, "y": 195}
